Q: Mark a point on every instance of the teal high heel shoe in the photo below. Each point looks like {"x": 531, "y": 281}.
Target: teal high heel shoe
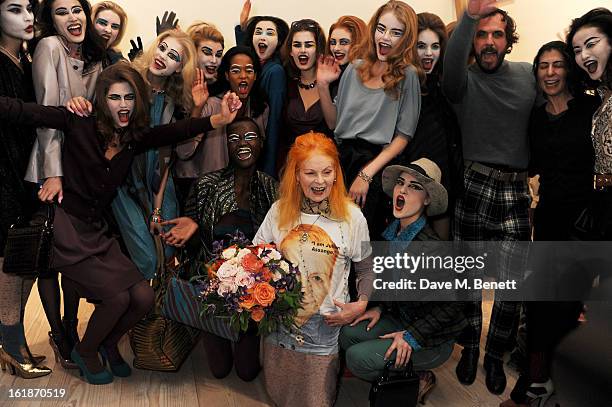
{"x": 119, "y": 370}
{"x": 104, "y": 377}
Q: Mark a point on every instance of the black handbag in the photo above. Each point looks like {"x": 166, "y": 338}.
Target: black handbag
{"x": 397, "y": 389}
{"x": 29, "y": 247}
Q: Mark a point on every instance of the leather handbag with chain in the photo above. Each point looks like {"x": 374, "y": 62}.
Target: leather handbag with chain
{"x": 29, "y": 247}
{"x": 397, "y": 389}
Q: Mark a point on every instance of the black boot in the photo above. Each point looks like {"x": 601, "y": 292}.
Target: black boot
{"x": 468, "y": 365}
{"x": 496, "y": 378}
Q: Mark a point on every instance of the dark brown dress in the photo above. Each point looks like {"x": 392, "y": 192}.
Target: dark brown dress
{"x": 82, "y": 250}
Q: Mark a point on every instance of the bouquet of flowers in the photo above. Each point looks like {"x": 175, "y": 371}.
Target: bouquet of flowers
{"x": 250, "y": 282}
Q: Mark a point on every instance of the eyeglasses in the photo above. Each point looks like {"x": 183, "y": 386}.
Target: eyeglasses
{"x": 248, "y": 136}
{"x": 303, "y": 24}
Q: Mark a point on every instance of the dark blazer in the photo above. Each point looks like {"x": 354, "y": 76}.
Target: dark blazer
{"x": 431, "y": 323}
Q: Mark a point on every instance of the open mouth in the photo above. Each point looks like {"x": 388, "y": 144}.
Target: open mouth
{"x": 124, "y": 116}
{"x": 244, "y": 153}
{"x": 489, "y": 56}
{"x": 210, "y": 69}
{"x": 262, "y": 48}
{"x": 384, "y": 48}
{"x": 400, "y": 201}
{"x": 243, "y": 87}
{"x": 159, "y": 64}
{"x": 427, "y": 64}
{"x": 339, "y": 55}
{"x": 75, "y": 29}
{"x": 303, "y": 59}
{"x": 591, "y": 66}
{"x": 318, "y": 191}
{"x": 551, "y": 83}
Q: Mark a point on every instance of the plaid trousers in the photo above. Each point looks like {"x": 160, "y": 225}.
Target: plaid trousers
{"x": 493, "y": 210}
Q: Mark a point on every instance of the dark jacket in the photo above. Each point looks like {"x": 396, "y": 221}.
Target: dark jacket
{"x": 431, "y": 323}
{"x": 213, "y": 197}
{"x": 17, "y": 197}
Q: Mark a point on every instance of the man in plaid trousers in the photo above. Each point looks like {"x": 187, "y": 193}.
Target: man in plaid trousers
{"x": 493, "y": 99}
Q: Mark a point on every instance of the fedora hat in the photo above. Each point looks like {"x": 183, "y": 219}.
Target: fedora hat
{"x": 428, "y": 174}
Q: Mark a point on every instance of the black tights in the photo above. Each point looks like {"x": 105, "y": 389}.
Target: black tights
{"x": 49, "y": 291}
{"x": 111, "y": 319}
{"x": 245, "y": 355}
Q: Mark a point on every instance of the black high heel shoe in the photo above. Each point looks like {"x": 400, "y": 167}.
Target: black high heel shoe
{"x": 54, "y": 341}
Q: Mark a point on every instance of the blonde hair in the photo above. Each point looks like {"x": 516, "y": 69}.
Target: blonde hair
{"x": 177, "y": 85}
{"x": 398, "y": 62}
{"x": 291, "y": 193}
{"x": 201, "y": 31}
{"x": 115, "y": 8}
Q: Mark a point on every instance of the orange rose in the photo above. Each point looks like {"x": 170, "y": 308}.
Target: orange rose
{"x": 257, "y": 314}
{"x": 248, "y": 301}
{"x": 264, "y": 294}
{"x": 251, "y": 263}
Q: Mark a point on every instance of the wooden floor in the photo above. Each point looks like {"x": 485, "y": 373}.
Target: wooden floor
{"x": 194, "y": 385}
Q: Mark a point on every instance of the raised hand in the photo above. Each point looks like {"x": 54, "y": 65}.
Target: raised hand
{"x": 199, "y": 90}
{"x": 479, "y": 8}
{"x": 328, "y": 70}
{"x": 79, "y": 106}
{"x": 182, "y": 230}
{"x": 229, "y": 109}
{"x": 136, "y": 49}
{"x": 244, "y": 14}
{"x": 168, "y": 22}
{"x": 359, "y": 191}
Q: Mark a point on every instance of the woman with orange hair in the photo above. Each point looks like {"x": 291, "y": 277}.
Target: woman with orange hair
{"x": 377, "y": 108}
{"x": 344, "y": 36}
{"x": 317, "y": 227}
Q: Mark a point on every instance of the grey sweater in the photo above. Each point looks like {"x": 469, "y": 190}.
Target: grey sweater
{"x": 492, "y": 108}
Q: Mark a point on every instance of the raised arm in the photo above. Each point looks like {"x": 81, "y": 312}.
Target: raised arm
{"x": 18, "y": 112}
{"x": 188, "y": 128}
{"x": 454, "y": 80}
{"x": 456, "y": 56}
{"x": 328, "y": 71}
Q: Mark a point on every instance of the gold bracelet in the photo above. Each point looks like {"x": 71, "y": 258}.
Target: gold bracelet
{"x": 365, "y": 177}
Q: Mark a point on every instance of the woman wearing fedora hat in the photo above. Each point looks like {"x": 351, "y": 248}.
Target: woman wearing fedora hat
{"x": 421, "y": 331}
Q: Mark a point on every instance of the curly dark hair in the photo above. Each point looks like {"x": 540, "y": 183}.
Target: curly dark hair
{"x": 257, "y": 96}
{"x": 282, "y": 29}
{"x": 600, "y": 18}
{"x": 512, "y": 36}
{"x": 94, "y": 49}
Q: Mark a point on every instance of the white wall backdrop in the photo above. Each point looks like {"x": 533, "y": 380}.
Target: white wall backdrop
{"x": 539, "y": 21}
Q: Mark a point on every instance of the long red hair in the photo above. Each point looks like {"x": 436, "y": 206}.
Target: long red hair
{"x": 291, "y": 194}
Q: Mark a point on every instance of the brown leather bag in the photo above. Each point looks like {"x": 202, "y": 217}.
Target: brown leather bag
{"x": 159, "y": 343}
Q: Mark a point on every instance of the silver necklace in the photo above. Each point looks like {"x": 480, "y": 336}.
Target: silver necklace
{"x": 305, "y": 232}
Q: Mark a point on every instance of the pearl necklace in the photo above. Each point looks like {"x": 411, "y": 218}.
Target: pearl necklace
{"x": 13, "y": 57}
